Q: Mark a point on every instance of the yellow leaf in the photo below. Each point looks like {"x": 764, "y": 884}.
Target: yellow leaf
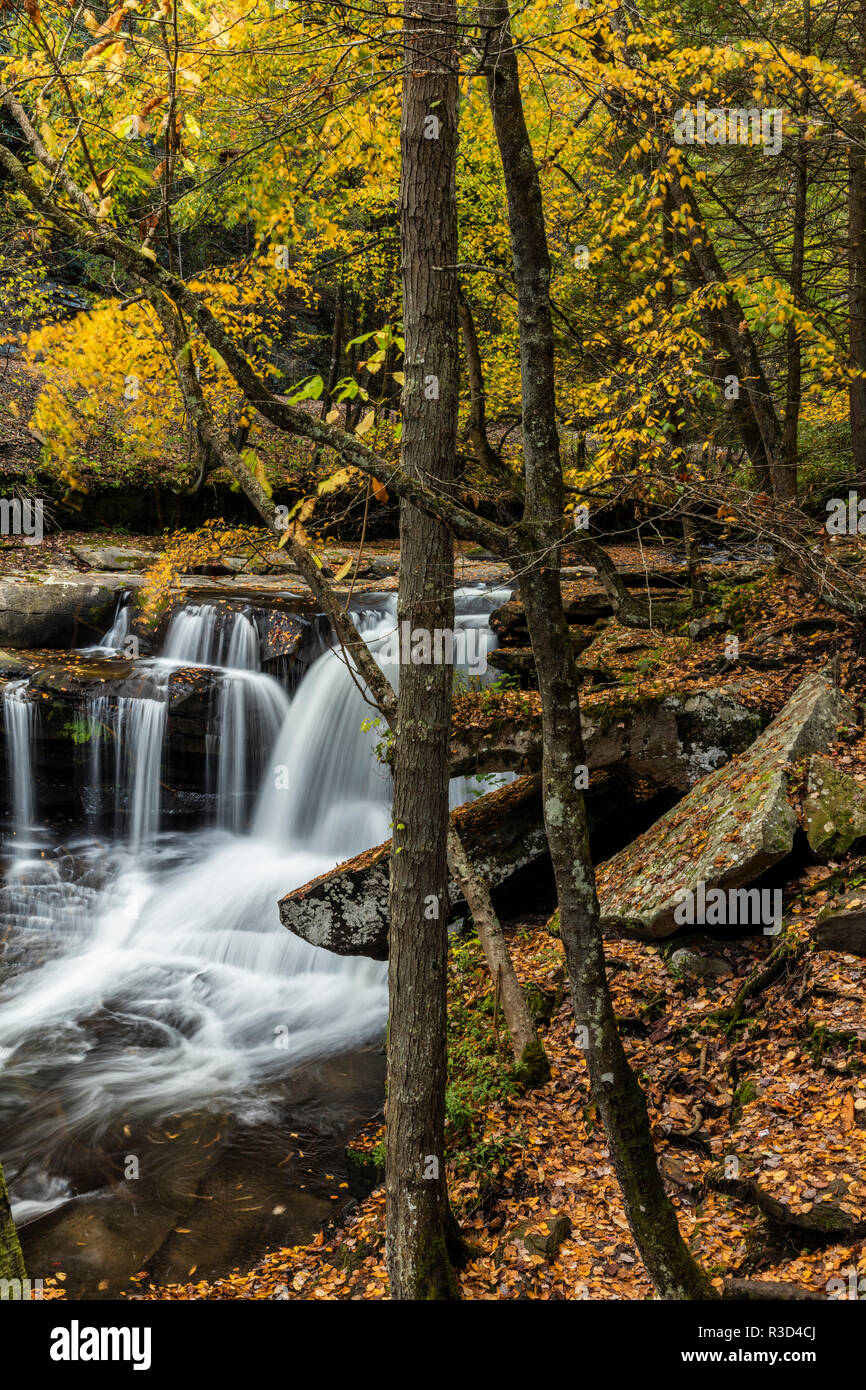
{"x": 336, "y": 480}
{"x": 111, "y": 25}
{"x": 364, "y": 426}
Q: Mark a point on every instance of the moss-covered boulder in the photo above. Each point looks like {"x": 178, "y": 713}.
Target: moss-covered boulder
{"x": 834, "y": 809}
{"x": 732, "y": 826}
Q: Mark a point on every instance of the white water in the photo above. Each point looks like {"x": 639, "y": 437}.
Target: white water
{"x": 19, "y": 720}
{"x": 115, "y": 638}
{"x": 170, "y": 982}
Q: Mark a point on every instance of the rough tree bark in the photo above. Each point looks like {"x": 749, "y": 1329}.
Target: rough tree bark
{"x": 857, "y": 268}
{"x": 794, "y": 382}
{"x": 615, "y": 1090}
{"x": 531, "y": 1065}
{"x": 417, "y": 1221}
{"x": 11, "y": 1259}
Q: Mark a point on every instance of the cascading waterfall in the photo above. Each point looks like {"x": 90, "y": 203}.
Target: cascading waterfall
{"x": 236, "y": 697}
{"x": 117, "y": 634}
{"x": 170, "y": 976}
{"x": 139, "y": 729}
{"x": 19, "y": 717}
{"x": 251, "y": 708}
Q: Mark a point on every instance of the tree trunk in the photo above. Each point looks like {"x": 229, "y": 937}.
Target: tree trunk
{"x": 614, "y": 1088}
{"x": 531, "y": 1065}
{"x": 794, "y": 384}
{"x": 857, "y": 271}
{"x": 336, "y": 349}
{"x": 11, "y": 1259}
{"x": 697, "y": 582}
{"x": 729, "y": 324}
{"x": 495, "y": 468}
{"x": 418, "y": 1221}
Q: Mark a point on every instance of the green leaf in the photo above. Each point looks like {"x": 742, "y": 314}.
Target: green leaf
{"x": 311, "y": 389}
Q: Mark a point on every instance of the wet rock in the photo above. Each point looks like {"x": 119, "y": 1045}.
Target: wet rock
{"x": 834, "y": 809}
{"x": 62, "y": 610}
{"x": 733, "y": 825}
{"x": 379, "y": 569}
{"x": 510, "y": 625}
{"x": 346, "y": 910}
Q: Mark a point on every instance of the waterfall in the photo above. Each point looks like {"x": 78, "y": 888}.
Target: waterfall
{"x": 19, "y": 716}
{"x": 193, "y": 637}
{"x": 117, "y": 634}
{"x": 152, "y": 974}
{"x": 251, "y": 708}
{"x": 325, "y": 785}
{"x": 139, "y": 731}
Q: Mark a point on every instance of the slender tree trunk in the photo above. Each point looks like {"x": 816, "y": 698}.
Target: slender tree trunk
{"x": 531, "y": 1065}
{"x": 697, "y": 582}
{"x": 334, "y": 365}
{"x": 11, "y": 1259}
{"x": 418, "y": 1221}
{"x": 614, "y": 1088}
{"x": 762, "y": 432}
{"x": 857, "y": 270}
{"x": 353, "y": 404}
{"x": 794, "y": 385}
{"x": 336, "y": 349}
{"x": 495, "y": 468}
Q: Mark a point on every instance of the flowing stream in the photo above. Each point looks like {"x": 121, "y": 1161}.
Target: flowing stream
{"x": 146, "y": 971}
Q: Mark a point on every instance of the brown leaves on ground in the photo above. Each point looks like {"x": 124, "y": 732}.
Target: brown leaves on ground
{"x": 783, "y": 1102}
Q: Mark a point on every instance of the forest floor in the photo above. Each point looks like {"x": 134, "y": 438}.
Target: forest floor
{"x": 783, "y": 1094}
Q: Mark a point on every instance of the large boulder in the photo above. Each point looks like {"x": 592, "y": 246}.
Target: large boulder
{"x": 671, "y": 740}
{"x": 734, "y": 824}
{"x": 346, "y": 910}
{"x": 63, "y": 609}
{"x": 834, "y": 809}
